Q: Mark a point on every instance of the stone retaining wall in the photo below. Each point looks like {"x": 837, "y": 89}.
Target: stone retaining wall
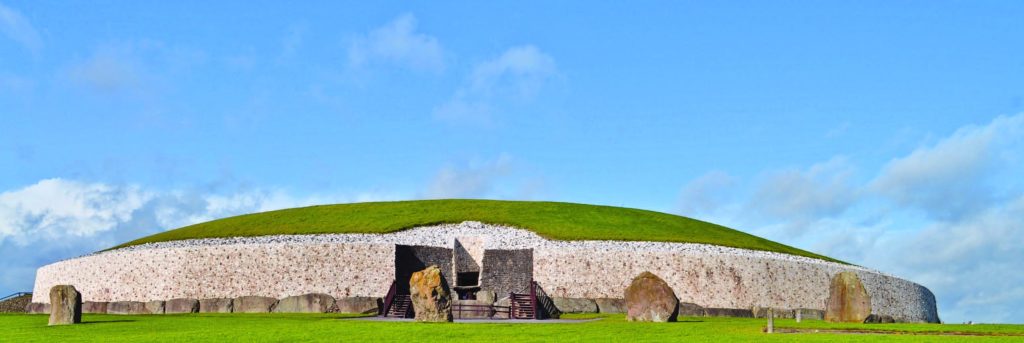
{"x": 351, "y": 265}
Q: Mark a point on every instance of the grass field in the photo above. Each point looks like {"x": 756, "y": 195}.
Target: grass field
{"x": 341, "y": 328}
{"x": 553, "y": 220}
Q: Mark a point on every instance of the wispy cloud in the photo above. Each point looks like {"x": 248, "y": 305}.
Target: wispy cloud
{"x": 947, "y": 179}
{"x": 14, "y": 25}
{"x": 132, "y": 67}
{"x": 517, "y": 75}
{"x": 398, "y": 43}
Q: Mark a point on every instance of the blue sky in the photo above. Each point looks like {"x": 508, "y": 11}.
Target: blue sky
{"x": 886, "y": 134}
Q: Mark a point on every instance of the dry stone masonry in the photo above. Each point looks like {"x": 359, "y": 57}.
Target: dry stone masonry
{"x": 364, "y": 265}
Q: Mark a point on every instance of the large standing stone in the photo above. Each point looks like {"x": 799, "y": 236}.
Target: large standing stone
{"x": 215, "y": 305}
{"x": 575, "y": 305}
{"x": 65, "y": 305}
{"x": 307, "y": 303}
{"x": 650, "y": 299}
{"x": 431, "y": 298}
{"x": 181, "y": 305}
{"x": 848, "y": 301}
{"x": 357, "y": 305}
{"x": 254, "y": 304}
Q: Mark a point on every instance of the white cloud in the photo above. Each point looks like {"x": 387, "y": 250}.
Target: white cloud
{"x": 800, "y": 197}
{"x": 473, "y": 181}
{"x": 56, "y": 207}
{"x": 520, "y": 70}
{"x": 705, "y": 193}
{"x": 134, "y": 67}
{"x": 17, "y": 28}
{"x": 517, "y": 75}
{"x": 947, "y": 179}
{"x": 109, "y": 69}
{"x": 398, "y": 43}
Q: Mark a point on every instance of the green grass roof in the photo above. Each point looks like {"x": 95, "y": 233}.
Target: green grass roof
{"x": 552, "y": 220}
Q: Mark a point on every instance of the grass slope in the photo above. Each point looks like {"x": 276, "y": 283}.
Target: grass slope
{"x": 334, "y": 328}
{"x": 552, "y": 220}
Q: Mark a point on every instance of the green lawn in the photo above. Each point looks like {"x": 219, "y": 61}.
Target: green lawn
{"x": 338, "y": 328}
{"x": 553, "y": 220}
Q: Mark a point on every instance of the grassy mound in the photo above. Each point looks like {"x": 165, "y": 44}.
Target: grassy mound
{"x": 552, "y": 220}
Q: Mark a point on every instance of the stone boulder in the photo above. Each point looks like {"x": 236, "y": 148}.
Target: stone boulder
{"x": 37, "y": 308}
{"x": 431, "y": 297}
{"x": 215, "y": 305}
{"x": 306, "y": 303}
{"x": 155, "y": 307}
{"x": 691, "y": 310}
{"x": 575, "y": 305}
{"x": 254, "y": 304}
{"x": 879, "y": 319}
{"x": 365, "y": 305}
{"x": 611, "y": 305}
{"x": 848, "y": 300}
{"x": 65, "y": 305}
{"x": 127, "y": 307}
{"x": 181, "y": 305}
{"x": 94, "y": 307}
{"x": 650, "y": 299}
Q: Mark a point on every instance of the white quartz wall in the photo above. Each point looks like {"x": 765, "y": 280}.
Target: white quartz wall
{"x": 222, "y": 271}
{"x": 347, "y": 265}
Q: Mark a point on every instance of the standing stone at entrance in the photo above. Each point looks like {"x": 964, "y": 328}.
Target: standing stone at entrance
{"x": 650, "y": 299}
{"x": 65, "y": 305}
{"x": 431, "y": 298}
{"x": 848, "y": 301}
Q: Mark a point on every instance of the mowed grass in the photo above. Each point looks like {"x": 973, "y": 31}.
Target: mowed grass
{"x": 552, "y": 220}
{"x": 339, "y": 328}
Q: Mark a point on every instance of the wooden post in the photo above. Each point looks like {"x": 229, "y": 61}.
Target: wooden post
{"x": 771, "y": 320}
{"x": 799, "y": 314}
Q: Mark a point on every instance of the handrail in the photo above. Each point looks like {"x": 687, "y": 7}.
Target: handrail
{"x": 389, "y": 299}
{"x": 15, "y": 295}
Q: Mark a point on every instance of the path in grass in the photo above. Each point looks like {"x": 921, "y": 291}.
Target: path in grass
{"x": 552, "y": 220}
{"x": 334, "y": 328}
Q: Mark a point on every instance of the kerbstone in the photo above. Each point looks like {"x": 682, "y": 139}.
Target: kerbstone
{"x": 363, "y": 305}
{"x": 94, "y": 307}
{"x": 575, "y": 305}
{"x": 127, "y": 307}
{"x": 306, "y": 303}
{"x": 215, "y": 305}
{"x": 181, "y": 305}
{"x": 254, "y": 304}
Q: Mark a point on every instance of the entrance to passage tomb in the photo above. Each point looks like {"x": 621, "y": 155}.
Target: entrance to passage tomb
{"x": 479, "y": 277}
